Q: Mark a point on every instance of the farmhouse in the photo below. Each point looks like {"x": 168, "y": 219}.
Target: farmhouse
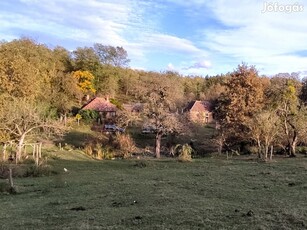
{"x": 134, "y": 108}
{"x": 103, "y": 106}
{"x": 200, "y": 112}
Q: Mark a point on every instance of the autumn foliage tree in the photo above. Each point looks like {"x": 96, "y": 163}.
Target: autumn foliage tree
{"x": 243, "y": 97}
{"x": 160, "y": 109}
{"x": 25, "y": 69}
{"x": 85, "y": 81}
{"x": 264, "y": 128}
{"x": 293, "y": 117}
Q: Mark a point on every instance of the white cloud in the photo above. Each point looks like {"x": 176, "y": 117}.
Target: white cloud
{"x": 200, "y": 65}
{"x": 258, "y": 38}
{"x": 164, "y": 42}
{"x": 170, "y": 67}
{"x": 242, "y": 32}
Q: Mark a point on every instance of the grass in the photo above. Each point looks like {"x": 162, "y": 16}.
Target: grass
{"x": 208, "y": 193}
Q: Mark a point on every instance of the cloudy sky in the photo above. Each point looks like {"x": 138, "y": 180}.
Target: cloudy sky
{"x": 189, "y": 36}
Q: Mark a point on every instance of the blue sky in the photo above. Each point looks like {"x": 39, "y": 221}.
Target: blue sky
{"x": 193, "y": 37}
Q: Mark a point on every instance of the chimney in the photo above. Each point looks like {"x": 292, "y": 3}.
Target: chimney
{"x": 107, "y": 98}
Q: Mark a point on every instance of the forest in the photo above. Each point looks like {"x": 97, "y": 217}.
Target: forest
{"x": 42, "y": 87}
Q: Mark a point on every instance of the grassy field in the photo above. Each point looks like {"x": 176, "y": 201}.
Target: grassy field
{"x": 209, "y": 193}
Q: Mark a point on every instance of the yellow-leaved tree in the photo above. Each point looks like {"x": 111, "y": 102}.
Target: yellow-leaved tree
{"x": 85, "y": 81}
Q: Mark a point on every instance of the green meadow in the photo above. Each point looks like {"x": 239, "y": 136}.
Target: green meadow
{"x": 147, "y": 193}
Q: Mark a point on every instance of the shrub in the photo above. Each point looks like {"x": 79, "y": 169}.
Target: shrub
{"x": 18, "y": 170}
{"x": 185, "y": 152}
{"x": 37, "y": 171}
{"x": 125, "y": 144}
{"x": 88, "y": 149}
{"x": 99, "y": 152}
{"x": 6, "y": 188}
{"x": 107, "y": 154}
{"x": 140, "y": 164}
{"x": 4, "y": 171}
{"x": 302, "y": 150}
{"x": 251, "y": 149}
{"x": 89, "y": 115}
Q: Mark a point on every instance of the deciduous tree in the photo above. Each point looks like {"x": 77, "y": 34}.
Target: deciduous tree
{"x": 244, "y": 96}
{"x": 24, "y": 69}
{"x": 110, "y": 55}
{"x": 264, "y": 128}
{"x": 85, "y": 81}
{"x": 160, "y": 112}
{"x": 85, "y": 59}
{"x": 21, "y": 119}
{"x": 292, "y": 115}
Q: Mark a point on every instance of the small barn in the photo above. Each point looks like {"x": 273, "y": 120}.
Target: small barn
{"x": 200, "y": 112}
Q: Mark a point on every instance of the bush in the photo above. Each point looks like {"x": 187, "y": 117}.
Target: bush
{"x": 6, "y": 188}
{"x": 141, "y": 164}
{"x": 37, "y": 171}
{"x": 98, "y": 152}
{"x": 88, "y": 149}
{"x": 89, "y": 115}
{"x": 4, "y": 171}
{"x": 251, "y": 150}
{"x": 125, "y": 144}
{"x": 185, "y": 152}
{"x": 26, "y": 170}
{"x": 302, "y": 150}
{"x": 108, "y": 154}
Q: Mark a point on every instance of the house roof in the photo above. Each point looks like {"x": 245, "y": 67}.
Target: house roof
{"x": 136, "y": 107}
{"x": 100, "y": 104}
{"x": 199, "y": 106}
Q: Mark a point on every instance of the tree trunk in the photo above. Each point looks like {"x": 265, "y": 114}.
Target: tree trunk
{"x": 266, "y": 149}
{"x": 220, "y": 149}
{"x": 158, "y": 144}
{"x": 19, "y": 147}
{"x": 288, "y": 149}
{"x": 293, "y": 147}
{"x": 65, "y": 119}
{"x": 259, "y": 149}
{"x": 271, "y": 153}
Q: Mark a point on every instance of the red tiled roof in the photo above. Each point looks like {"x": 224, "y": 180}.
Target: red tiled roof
{"x": 100, "y": 104}
{"x": 199, "y": 106}
{"x": 136, "y": 107}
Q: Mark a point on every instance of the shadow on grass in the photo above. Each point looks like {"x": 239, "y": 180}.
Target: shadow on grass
{"x": 79, "y": 139}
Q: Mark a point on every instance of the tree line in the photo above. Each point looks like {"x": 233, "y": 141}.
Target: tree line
{"x": 44, "y": 84}
{"x": 267, "y": 112}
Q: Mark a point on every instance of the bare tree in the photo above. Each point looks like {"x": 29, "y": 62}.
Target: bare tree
{"x": 21, "y": 119}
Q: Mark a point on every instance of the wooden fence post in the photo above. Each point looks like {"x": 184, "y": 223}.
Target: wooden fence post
{"x": 4, "y": 152}
{"x": 271, "y": 153}
{"x": 11, "y": 178}
{"x": 33, "y": 151}
{"x": 36, "y": 154}
{"x": 40, "y": 150}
